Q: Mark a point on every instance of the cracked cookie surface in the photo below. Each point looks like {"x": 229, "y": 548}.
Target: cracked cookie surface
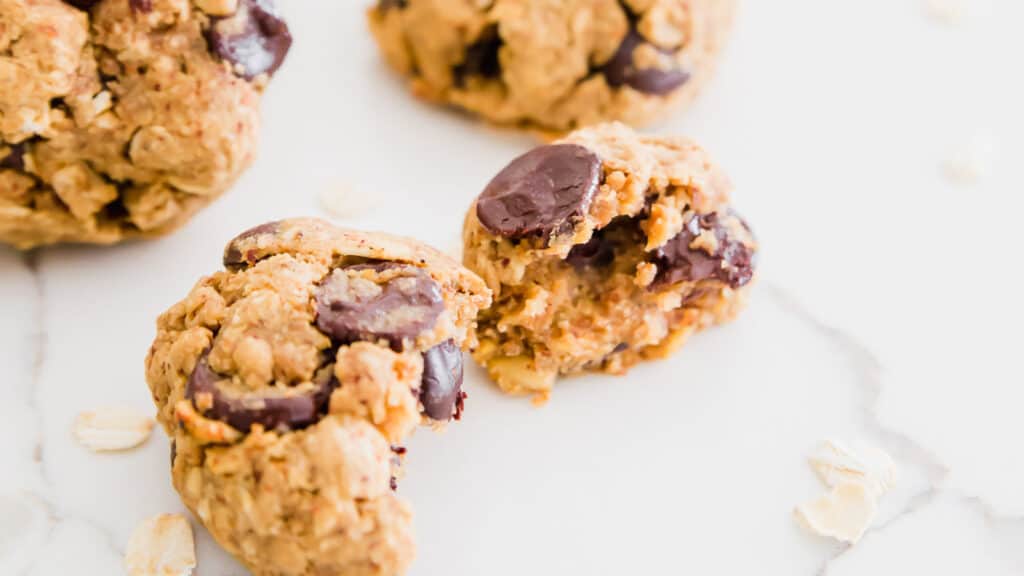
{"x": 602, "y": 250}
{"x": 289, "y": 381}
{"x": 122, "y": 118}
{"x": 554, "y": 64}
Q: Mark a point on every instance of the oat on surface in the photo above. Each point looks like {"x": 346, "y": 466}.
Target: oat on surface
{"x": 161, "y": 546}
{"x": 112, "y": 429}
{"x": 858, "y": 478}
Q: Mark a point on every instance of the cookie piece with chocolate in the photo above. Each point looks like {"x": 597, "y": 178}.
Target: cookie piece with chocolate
{"x": 603, "y": 249}
{"x": 289, "y": 381}
{"x": 555, "y": 66}
{"x": 123, "y": 118}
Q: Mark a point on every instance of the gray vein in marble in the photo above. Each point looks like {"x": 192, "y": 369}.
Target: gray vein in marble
{"x": 39, "y": 343}
{"x": 55, "y": 516}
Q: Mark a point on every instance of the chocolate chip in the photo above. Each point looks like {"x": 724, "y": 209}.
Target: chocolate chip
{"x": 542, "y": 192}
{"x": 732, "y": 261}
{"x": 621, "y": 70}
{"x": 233, "y": 256}
{"x": 274, "y": 409}
{"x": 15, "y": 158}
{"x": 174, "y": 452}
{"x": 385, "y": 5}
{"x": 141, "y": 5}
{"x": 441, "y": 390}
{"x": 598, "y": 252}
{"x": 82, "y": 4}
{"x": 482, "y": 57}
{"x": 255, "y": 38}
{"x": 350, "y": 308}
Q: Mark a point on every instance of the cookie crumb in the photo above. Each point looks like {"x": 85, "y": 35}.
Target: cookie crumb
{"x": 858, "y": 479}
{"x": 161, "y": 546}
{"x": 112, "y": 429}
{"x": 949, "y": 12}
{"x": 343, "y": 202}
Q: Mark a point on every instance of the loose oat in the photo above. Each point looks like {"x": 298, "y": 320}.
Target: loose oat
{"x": 949, "y": 12}
{"x": 343, "y": 202}
{"x": 112, "y": 429}
{"x": 843, "y": 514}
{"x": 161, "y": 546}
{"x": 836, "y": 464}
{"x": 858, "y": 479}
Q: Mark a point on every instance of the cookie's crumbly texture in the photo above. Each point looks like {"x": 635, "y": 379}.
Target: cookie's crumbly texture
{"x": 122, "y": 118}
{"x": 638, "y": 250}
{"x": 289, "y": 381}
{"x": 555, "y": 65}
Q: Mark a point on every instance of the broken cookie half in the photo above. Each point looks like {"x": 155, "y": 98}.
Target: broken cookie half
{"x": 290, "y": 380}
{"x": 603, "y": 249}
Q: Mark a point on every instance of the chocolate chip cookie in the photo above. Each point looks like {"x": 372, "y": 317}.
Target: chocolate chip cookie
{"x": 289, "y": 381}
{"x": 603, "y": 249}
{"x": 554, "y": 64}
{"x": 122, "y": 118}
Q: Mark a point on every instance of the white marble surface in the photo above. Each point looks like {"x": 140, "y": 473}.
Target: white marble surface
{"x": 889, "y": 310}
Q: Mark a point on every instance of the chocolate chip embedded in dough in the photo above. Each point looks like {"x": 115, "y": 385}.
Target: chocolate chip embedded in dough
{"x": 482, "y": 57}
{"x": 598, "y": 252}
{"x": 255, "y": 38}
{"x": 385, "y": 5}
{"x": 542, "y": 192}
{"x": 233, "y": 256}
{"x": 141, "y": 5}
{"x": 82, "y": 4}
{"x": 731, "y": 262}
{"x": 621, "y": 69}
{"x": 441, "y": 389}
{"x": 14, "y": 158}
{"x": 274, "y": 408}
{"x": 352, "y": 308}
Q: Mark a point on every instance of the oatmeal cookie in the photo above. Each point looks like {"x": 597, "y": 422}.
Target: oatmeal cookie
{"x": 554, "y": 64}
{"x": 603, "y": 249}
{"x": 122, "y": 118}
{"x": 289, "y": 381}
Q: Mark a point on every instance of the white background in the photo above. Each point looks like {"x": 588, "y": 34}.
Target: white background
{"x": 888, "y": 309}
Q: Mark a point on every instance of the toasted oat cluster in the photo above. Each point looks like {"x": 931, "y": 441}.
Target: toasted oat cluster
{"x": 122, "y": 118}
{"x": 555, "y": 65}
{"x": 289, "y": 381}
{"x": 603, "y": 249}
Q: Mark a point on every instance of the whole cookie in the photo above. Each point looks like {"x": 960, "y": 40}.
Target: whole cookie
{"x": 289, "y": 381}
{"x": 122, "y": 118}
{"x": 604, "y": 249}
{"x": 554, "y": 64}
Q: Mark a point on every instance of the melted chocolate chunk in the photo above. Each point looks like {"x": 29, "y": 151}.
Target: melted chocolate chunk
{"x": 141, "y": 5}
{"x": 15, "y": 158}
{"x": 255, "y": 38}
{"x": 542, "y": 192}
{"x": 621, "y": 69}
{"x": 732, "y": 261}
{"x": 482, "y": 57}
{"x": 351, "y": 309}
{"x": 233, "y": 257}
{"x": 275, "y": 409}
{"x": 441, "y": 389}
